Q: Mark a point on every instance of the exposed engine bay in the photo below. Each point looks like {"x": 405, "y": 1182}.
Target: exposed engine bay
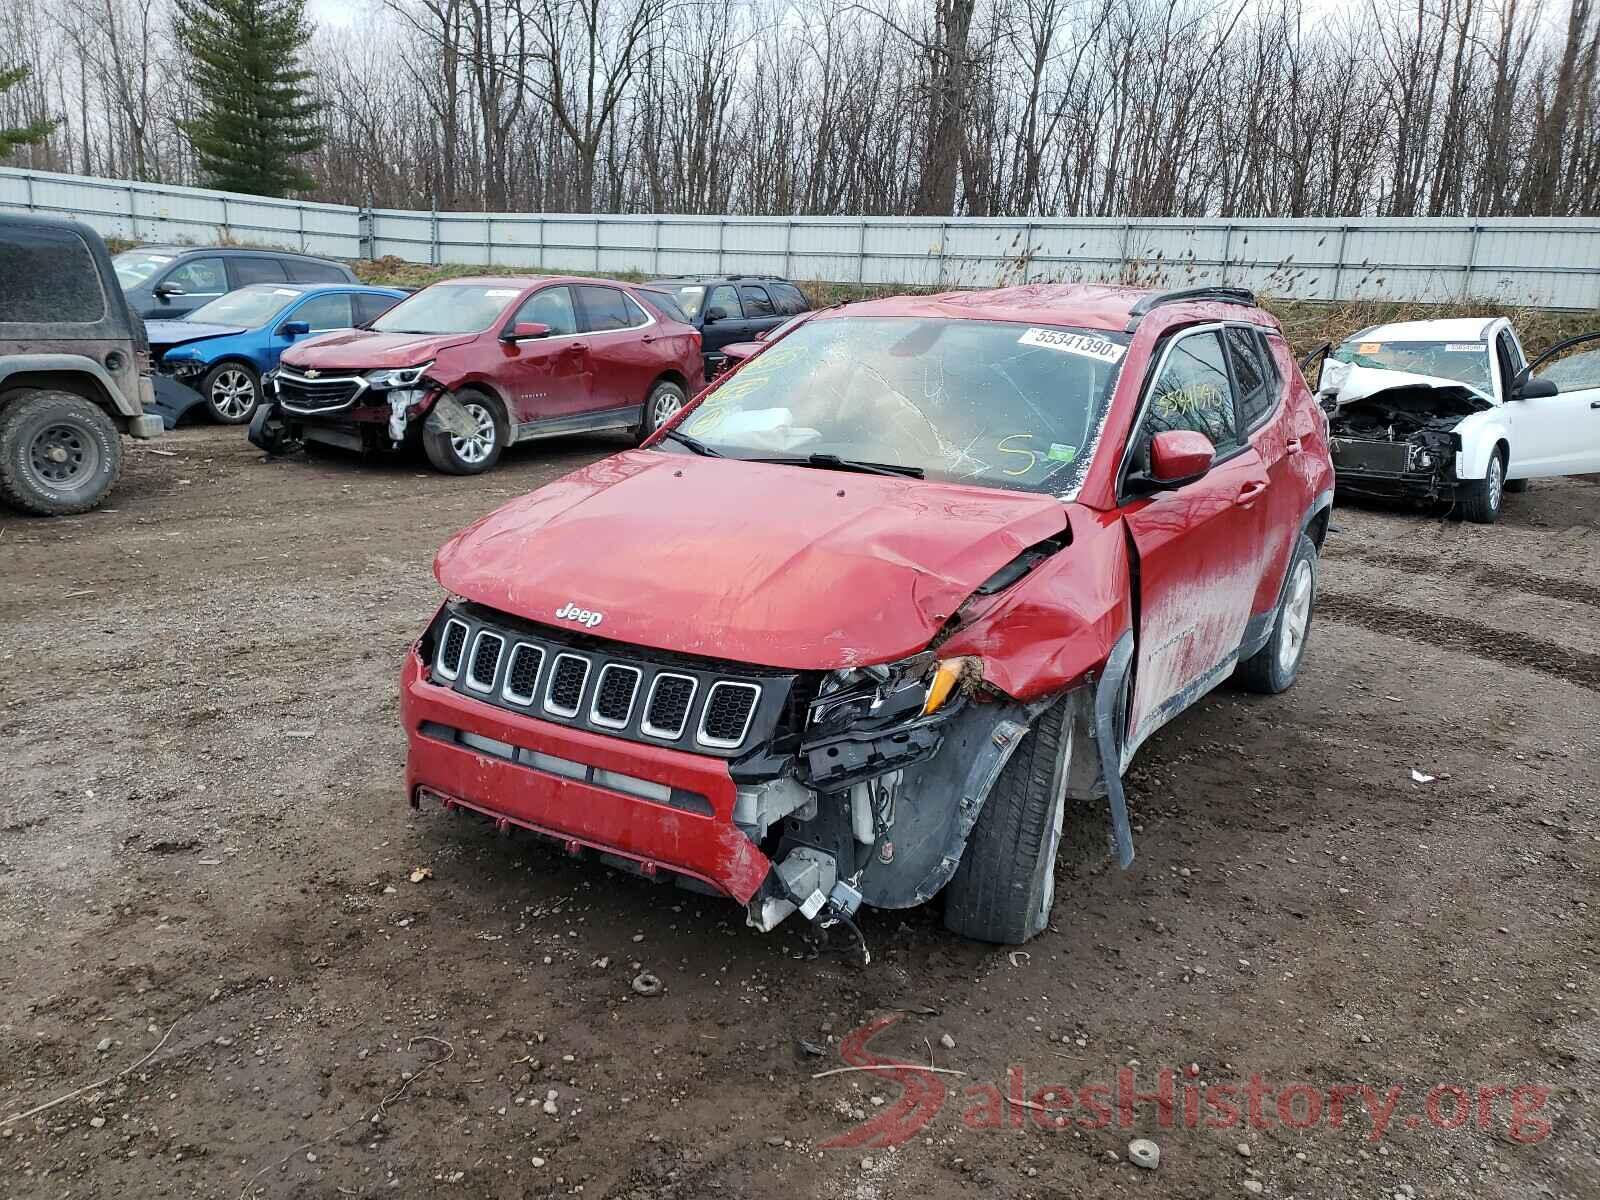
{"x": 1394, "y": 426}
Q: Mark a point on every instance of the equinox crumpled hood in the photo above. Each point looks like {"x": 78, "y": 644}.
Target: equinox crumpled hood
{"x": 363, "y": 349}
{"x": 789, "y": 567}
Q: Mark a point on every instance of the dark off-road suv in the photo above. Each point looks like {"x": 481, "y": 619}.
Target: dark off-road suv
{"x": 74, "y": 367}
{"x": 732, "y": 308}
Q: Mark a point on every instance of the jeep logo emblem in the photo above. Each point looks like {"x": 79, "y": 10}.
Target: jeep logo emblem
{"x": 571, "y": 612}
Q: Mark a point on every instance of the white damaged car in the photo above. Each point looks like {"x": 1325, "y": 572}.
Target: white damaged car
{"x": 1452, "y": 410}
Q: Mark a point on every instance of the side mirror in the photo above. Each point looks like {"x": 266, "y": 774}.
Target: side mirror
{"x": 716, "y": 313}
{"x": 1526, "y": 388}
{"x": 294, "y": 328}
{"x": 163, "y": 290}
{"x": 1179, "y": 456}
{"x": 523, "y": 330}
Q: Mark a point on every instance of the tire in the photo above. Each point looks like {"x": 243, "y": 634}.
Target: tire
{"x": 469, "y": 456}
{"x": 1480, "y": 499}
{"x": 59, "y": 453}
{"x": 1003, "y": 889}
{"x": 663, "y": 403}
{"x": 232, "y": 392}
{"x": 1274, "y": 667}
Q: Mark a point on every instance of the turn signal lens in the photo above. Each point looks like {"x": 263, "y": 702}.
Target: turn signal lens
{"x": 944, "y": 682}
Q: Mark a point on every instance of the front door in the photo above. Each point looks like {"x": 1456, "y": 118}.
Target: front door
{"x": 547, "y": 378}
{"x": 1560, "y": 433}
{"x": 1202, "y": 547}
{"x": 731, "y": 326}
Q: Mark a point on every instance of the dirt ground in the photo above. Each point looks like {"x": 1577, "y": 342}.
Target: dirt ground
{"x": 205, "y": 857}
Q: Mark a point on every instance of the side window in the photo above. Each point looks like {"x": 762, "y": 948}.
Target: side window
{"x": 48, "y": 274}
{"x": 370, "y": 307}
{"x": 325, "y": 312}
{"x": 255, "y": 269}
{"x": 790, "y": 299}
{"x": 552, "y": 307}
{"x": 725, "y": 297}
{"x": 306, "y": 270}
{"x": 756, "y": 302}
{"x": 199, "y": 277}
{"x": 607, "y": 308}
{"x": 1192, "y": 392}
{"x": 1252, "y": 375}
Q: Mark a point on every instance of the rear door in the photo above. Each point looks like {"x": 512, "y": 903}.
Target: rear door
{"x": 255, "y": 268}
{"x": 547, "y": 378}
{"x": 1560, "y": 434}
{"x": 621, "y": 337}
{"x": 1200, "y": 546}
{"x": 760, "y": 312}
{"x": 1266, "y": 420}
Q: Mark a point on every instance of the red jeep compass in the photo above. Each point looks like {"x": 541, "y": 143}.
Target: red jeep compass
{"x": 863, "y": 623}
{"x": 470, "y": 366}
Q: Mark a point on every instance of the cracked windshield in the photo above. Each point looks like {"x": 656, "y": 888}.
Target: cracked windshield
{"x": 981, "y": 402}
{"x": 1461, "y": 362}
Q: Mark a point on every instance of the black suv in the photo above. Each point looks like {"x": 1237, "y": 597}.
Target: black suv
{"x": 74, "y": 367}
{"x": 166, "y": 282}
{"x": 732, "y": 308}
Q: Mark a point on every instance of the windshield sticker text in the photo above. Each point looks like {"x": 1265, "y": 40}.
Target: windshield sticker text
{"x": 1463, "y": 347}
{"x": 1097, "y": 348}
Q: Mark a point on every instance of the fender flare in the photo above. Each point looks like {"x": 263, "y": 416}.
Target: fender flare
{"x": 69, "y": 364}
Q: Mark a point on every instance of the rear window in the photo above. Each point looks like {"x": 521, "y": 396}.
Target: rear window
{"x": 305, "y": 270}
{"x": 48, "y": 275}
{"x": 789, "y": 299}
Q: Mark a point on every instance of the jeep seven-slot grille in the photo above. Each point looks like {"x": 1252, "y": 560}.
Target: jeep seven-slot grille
{"x": 679, "y": 701}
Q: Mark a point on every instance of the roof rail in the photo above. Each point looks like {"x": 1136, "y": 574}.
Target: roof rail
{"x": 1216, "y": 295}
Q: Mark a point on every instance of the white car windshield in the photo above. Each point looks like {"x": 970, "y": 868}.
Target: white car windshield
{"x": 981, "y": 402}
{"x": 133, "y": 267}
{"x": 448, "y": 308}
{"x": 1464, "y": 362}
{"x": 249, "y": 307}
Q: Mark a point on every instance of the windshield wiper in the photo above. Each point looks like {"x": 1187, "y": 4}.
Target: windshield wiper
{"x": 832, "y": 462}
{"x": 693, "y": 443}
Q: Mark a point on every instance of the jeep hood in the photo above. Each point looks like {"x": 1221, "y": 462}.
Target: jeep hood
{"x": 164, "y": 335}
{"x": 789, "y": 567}
{"x": 363, "y": 349}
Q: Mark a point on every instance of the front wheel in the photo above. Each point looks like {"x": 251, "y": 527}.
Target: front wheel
{"x": 1480, "y": 499}
{"x": 470, "y": 446}
{"x": 59, "y": 453}
{"x": 1005, "y": 885}
{"x": 232, "y": 391}
{"x": 1276, "y": 665}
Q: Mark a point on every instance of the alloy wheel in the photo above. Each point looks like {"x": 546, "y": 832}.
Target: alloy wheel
{"x": 233, "y": 393}
{"x": 476, "y": 448}
{"x": 1296, "y": 617}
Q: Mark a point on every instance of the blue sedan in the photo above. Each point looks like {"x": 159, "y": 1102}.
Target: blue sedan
{"x": 215, "y": 357}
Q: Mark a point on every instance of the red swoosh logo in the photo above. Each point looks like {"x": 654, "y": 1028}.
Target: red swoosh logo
{"x": 922, "y": 1094}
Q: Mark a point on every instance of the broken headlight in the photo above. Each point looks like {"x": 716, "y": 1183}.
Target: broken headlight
{"x": 914, "y": 687}
{"x": 397, "y": 377}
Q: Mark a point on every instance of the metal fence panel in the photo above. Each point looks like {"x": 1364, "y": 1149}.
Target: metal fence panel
{"x": 1539, "y": 261}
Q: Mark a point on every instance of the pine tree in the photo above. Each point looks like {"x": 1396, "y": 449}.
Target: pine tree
{"x": 255, "y": 113}
{"x": 27, "y": 135}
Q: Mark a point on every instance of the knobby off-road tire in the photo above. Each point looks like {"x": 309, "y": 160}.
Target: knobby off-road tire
{"x": 475, "y": 455}
{"x": 1003, "y": 889}
{"x": 1480, "y": 499}
{"x": 1275, "y": 666}
{"x": 59, "y": 453}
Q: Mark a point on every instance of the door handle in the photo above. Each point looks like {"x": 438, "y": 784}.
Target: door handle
{"x": 1594, "y": 404}
{"x": 1292, "y": 446}
{"x": 575, "y": 348}
{"x": 1251, "y": 492}
{"x": 647, "y": 338}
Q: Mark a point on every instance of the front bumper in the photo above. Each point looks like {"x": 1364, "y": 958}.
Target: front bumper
{"x": 510, "y": 773}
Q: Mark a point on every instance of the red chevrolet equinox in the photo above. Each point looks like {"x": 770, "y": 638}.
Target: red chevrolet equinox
{"x": 470, "y": 366}
{"x": 887, "y": 613}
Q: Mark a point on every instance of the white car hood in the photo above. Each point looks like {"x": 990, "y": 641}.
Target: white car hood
{"x": 1348, "y": 382}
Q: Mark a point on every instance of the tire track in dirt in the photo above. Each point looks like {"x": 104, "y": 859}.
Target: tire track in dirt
{"x": 1574, "y": 591}
{"x": 1463, "y": 634}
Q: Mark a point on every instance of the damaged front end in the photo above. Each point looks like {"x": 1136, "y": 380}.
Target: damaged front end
{"x": 1395, "y": 434}
{"x": 366, "y": 411}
